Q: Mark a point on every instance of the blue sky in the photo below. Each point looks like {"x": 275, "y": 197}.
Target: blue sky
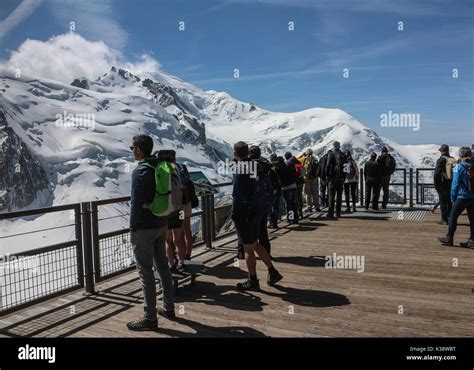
{"x": 407, "y": 71}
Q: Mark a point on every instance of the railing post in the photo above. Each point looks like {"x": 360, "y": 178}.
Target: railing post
{"x": 95, "y": 240}
{"x": 206, "y": 220}
{"x": 87, "y": 247}
{"x": 411, "y": 187}
{"x": 361, "y": 182}
{"x": 80, "y": 245}
{"x": 212, "y": 218}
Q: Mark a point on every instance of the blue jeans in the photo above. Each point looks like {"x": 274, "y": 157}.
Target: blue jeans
{"x": 274, "y": 213}
{"x": 149, "y": 249}
{"x": 291, "y": 204}
{"x": 460, "y": 205}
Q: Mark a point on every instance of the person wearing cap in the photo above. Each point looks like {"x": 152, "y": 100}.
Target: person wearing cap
{"x": 335, "y": 176}
{"x": 387, "y": 166}
{"x": 311, "y": 186}
{"x": 462, "y": 196}
{"x": 443, "y": 176}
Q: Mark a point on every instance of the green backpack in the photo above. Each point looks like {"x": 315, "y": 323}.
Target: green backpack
{"x": 168, "y": 196}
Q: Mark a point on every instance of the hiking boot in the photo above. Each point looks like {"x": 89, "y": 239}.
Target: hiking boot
{"x": 468, "y": 244}
{"x": 273, "y": 277}
{"x": 445, "y": 240}
{"x": 142, "y": 325}
{"x": 170, "y": 315}
{"x": 249, "y": 285}
{"x": 442, "y": 222}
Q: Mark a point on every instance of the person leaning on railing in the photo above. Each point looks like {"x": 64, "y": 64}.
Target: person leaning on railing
{"x": 462, "y": 196}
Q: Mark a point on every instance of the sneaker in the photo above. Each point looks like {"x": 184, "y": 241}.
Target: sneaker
{"x": 142, "y": 325}
{"x": 308, "y": 209}
{"x": 445, "y": 240}
{"x": 330, "y": 215}
{"x": 338, "y": 215}
{"x": 354, "y": 210}
{"x": 170, "y": 315}
{"x": 348, "y": 210}
{"x": 272, "y": 226}
{"x": 442, "y": 222}
{"x": 273, "y": 277}
{"x": 249, "y": 285}
{"x": 468, "y": 244}
{"x": 384, "y": 207}
{"x": 188, "y": 257}
{"x": 318, "y": 209}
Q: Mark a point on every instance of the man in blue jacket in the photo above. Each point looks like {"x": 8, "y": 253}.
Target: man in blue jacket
{"x": 147, "y": 235}
{"x": 462, "y": 196}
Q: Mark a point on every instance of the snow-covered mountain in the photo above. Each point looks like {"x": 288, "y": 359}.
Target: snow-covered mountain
{"x": 75, "y": 157}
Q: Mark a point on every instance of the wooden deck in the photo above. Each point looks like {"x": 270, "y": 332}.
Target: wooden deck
{"x": 405, "y": 268}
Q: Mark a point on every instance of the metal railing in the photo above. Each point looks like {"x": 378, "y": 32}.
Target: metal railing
{"x": 39, "y": 274}
{"x": 91, "y": 256}
{"x": 94, "y": 255}
{"x": 426, "y": 193}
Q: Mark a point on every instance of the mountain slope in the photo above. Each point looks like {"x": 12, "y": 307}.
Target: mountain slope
{"x": 87, "y": 159}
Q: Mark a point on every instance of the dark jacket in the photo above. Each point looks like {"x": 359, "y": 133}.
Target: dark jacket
{"x": 286, "y": 176}
{"x": 321, "y": 172}
{"x": 245, "y": 187}
{"x": 143, "y": 192}
{"x": 372, "y": 172}
{"x": 385, "y": 169}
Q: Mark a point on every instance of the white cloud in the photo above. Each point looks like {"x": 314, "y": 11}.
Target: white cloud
{"x": 21, "y": 12}
{"x": 92, "y": 18}
{"x": 69, "y": 56}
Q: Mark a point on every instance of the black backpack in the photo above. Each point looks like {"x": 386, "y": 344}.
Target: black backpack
{"x": 336, "y": 168}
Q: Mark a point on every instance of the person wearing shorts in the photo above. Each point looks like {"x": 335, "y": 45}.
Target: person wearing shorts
{"x": 247, "y": 222}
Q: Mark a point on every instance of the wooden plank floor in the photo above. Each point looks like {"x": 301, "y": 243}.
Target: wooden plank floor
{"x": 405, "y": 268}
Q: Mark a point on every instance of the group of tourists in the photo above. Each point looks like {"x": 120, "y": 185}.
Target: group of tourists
{"x": 163, "y": 196}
